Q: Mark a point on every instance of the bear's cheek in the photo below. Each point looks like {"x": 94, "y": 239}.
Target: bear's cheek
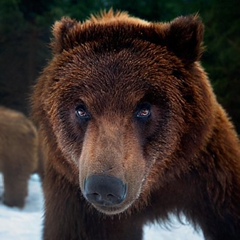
{"x": 111, "y": 156}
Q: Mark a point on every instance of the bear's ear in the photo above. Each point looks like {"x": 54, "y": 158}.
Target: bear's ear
{"x": 64, "y": 33}
{"x": 185, "y": 38}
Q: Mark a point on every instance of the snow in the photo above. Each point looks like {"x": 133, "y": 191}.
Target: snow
{"x": 26, "y": 223}
{"x": 23, "y": 224}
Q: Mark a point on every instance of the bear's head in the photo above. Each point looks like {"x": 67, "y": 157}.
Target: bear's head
{"x": 124, "y": 105}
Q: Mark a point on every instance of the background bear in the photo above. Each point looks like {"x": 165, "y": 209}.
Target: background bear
{"x": 133, "y": 131}
{"x": 18, "y": 155}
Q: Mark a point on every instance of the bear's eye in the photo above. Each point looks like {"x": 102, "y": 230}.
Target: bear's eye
{"x": 82, "y": 113}
{"x": 144, "y": 112}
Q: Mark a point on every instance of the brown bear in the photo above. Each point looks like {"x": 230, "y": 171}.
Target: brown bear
{"x": 18, "y": 155}
{"x": 133, "y": 131}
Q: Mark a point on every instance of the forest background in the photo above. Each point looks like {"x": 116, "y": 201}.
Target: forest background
{"x": 25, "y": 33}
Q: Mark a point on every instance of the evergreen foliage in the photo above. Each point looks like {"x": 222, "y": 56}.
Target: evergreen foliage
{"x": 25, "y": 34}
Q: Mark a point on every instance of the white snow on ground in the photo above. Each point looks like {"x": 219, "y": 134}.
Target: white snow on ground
{"x": 26, "y": 224}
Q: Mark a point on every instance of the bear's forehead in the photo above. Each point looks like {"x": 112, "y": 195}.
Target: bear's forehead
{"x": 111, "y": 78}
{"x": 129, "y": 66}
{"x": 106, "y": 92}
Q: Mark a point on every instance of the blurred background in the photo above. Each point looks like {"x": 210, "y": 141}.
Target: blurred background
{"x": 25, "y": 33}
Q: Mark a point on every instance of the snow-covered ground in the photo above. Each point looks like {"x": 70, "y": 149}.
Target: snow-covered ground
{"x": 26, "y": 224}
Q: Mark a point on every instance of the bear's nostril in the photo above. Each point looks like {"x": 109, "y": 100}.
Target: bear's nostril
{"x": 104, "y": 190}
{"x": 110, "y": 196}
{"x": 95, "y": 196}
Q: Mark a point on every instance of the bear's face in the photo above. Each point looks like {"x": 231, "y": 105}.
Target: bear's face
{"x": 113, "y": 115}
{"x": 121, "y": 108}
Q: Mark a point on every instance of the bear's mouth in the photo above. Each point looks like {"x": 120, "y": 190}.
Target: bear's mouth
{"x": 109, "y": 210}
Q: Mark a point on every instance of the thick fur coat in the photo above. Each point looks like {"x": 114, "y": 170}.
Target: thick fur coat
{"x": 128, "y": 100}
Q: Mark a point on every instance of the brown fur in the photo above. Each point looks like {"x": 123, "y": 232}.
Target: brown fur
{"x": 18, "y": 155}
{"x": 184, "y": 159}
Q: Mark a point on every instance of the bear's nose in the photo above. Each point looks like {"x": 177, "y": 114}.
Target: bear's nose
{"x": 104, "y": 190}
